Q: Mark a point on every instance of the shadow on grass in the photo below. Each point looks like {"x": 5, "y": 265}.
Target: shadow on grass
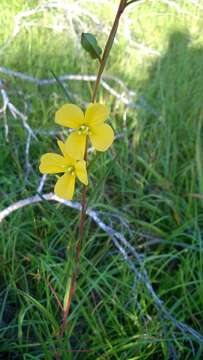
{"x": 174, "y": 88}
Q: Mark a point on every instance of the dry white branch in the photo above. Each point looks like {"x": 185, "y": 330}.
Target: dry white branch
{"x": 42, "y": 183}
{"x": 126, "y": 96}
{"x": 72, "y": 13}
{"x": 71, "y": 77}
{"x": 7, "y": 104}
{"x": 27, "y": 160}
{"x": 129, "y": 253}
{"x": 17, "y": 114}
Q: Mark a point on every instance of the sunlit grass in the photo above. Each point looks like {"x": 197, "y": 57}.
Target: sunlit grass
{"x": 152, "y": 178}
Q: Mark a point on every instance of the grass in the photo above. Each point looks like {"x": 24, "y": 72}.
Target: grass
{"x": 152, "y": 178}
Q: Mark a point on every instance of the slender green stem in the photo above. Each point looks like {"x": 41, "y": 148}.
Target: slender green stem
{"x": 103, "y": 61}
{"x": 108, "y": 46}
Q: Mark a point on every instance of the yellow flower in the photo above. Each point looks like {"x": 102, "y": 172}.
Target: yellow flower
{"x": 90, "y": 124}
{"x": 54, "y": 163}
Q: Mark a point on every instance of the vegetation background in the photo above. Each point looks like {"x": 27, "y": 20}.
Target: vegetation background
{"x": 148, "y": 187}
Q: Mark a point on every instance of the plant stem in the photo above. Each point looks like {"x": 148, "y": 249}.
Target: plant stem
{"x": 82, "y": 215}
{"x": 77, "y": 256}
{"x": 131, "y": 2}
{"x": 108, "y": 46}
{"x": 103, "y": 61}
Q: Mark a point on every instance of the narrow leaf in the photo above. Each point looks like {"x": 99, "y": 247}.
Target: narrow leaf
{"x": 65, "y": 91}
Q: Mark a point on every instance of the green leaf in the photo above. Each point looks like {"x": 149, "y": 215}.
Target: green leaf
{"x": 89, "y": 43}
{"x": 67, "y": 293}
{"x": 65, "y": 91}
{"x": 69, "y": 270}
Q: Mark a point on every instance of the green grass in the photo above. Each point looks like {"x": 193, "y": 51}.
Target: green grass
{"x": 152, "y": 178}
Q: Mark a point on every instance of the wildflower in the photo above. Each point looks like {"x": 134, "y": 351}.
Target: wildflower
{"x": 91, "y": 125}
{"x": 54, "y": 163}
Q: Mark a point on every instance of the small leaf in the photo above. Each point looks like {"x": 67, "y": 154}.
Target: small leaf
{"x": 67, "y": 293}
{"x": 89, "y": 43}
{"x": 65, "y": 91}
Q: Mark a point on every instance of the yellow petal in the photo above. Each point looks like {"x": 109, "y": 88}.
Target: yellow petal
{"x": 102, "y": 137}
{"x": 69, "y": 115}
{"x": 65, "y": 187}
{"x": 81, "y": 171}
{"x": 51, "y": 163}
{"x": 68, "y": 159}
{"x": 61, "y": 146}
{"x": 75, "y": 145}
{"x": 96, "y": 114}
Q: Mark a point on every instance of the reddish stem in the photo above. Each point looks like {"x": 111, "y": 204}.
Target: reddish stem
{"x": 122, "y": 5}
{"x": 77, "y": 256}
{"x": 55, "y": 295}
{"x": 66, "y": 312}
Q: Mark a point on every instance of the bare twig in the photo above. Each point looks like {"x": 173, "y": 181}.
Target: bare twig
{"x": 67, "y": 77}
{"x": 42, "y": 183}
{"x": 127, "y": 96}
{"x": 27, "y": 161}
{"x": 15, "y": 112}
{"x": 72, "y": 12}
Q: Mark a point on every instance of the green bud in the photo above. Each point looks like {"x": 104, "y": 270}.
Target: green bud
{"x": 89, "y": 43}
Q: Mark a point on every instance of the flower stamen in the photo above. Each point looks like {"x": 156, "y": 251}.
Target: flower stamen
{"x": 70, "y": 170}
{"x": 83, "y": 130}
